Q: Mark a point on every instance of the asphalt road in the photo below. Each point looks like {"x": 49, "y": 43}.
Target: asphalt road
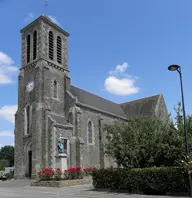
{"x": 22, "y": 189}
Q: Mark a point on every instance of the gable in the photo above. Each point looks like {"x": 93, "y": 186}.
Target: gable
{"x": 141, "y": 107}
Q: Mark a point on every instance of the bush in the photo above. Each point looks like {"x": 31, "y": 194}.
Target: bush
{"x": 46, "y": 174}
{"x": 9, "y": 175}
{"x": 147, "y": 180}
{"x": 73, "y": 173}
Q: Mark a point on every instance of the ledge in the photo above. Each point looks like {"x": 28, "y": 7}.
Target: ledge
{"x": 61, "y": 183}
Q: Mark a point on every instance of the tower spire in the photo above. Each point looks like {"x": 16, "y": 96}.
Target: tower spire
{"x": 45, "y": 5}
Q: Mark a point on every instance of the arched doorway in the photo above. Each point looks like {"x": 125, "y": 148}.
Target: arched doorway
{"x": 28, "y": 159}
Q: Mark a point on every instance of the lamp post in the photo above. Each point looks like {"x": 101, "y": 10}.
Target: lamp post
{"x": 178, "y": 69}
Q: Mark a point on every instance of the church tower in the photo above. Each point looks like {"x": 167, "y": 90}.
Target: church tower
{"x": 42, "y": 82}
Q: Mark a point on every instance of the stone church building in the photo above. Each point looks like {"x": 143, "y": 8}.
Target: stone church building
{"x": 58, "y": 124}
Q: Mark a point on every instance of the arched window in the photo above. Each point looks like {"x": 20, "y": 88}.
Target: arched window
{"x": 28, "y": 47}
{"x": 90, "y": 132}
{"x": 55, "y": 89}
{"x": 51, "y": 45}
{"x": 34, "y": 45}
{"x": 59, "y": 47}
{"x": 27, "y": 119}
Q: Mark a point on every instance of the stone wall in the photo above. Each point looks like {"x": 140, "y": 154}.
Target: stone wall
{"x": 91, "y": 153}
{"x": 62, "y": 183}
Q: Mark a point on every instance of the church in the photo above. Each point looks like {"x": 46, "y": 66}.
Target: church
{"x": 59, "y": 125}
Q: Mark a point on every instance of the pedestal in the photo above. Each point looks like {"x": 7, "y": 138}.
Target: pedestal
{"x": 63, "y": 161}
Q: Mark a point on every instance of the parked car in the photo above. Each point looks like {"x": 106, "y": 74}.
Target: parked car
{"x": 3, "y": 176}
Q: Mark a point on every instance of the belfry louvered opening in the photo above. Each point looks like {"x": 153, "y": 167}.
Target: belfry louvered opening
{"x": 59, "y": 47}
{"x": 34, "y": 45}
{"x": 51, "y": 45}
{"x": 28, "y": 47}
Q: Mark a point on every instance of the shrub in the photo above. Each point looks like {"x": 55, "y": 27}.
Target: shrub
{"x": 89, "y": 171}
{"x": 147, "y": 180}
{"x": 46, "y": 174}
{"x": 73, "y": 173}
{"x": 10, "y": 175}
{"x": 57, "y": 174}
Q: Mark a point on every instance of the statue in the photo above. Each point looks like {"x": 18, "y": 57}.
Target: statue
{"x": 60, "y": 145}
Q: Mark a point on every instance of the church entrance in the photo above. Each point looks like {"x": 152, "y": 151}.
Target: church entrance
{"x": 29, "y": 163}
{"x": 28, "y": 159}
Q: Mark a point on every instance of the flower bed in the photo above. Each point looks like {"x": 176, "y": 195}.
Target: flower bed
{"x": 89, "y": 171}
{"x": 56, "y": 178}
{"x": 49, "y": 174}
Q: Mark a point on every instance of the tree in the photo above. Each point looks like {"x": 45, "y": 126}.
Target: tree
{"x": 143, "y": 142}
{"x": 179, "y": 124}
{"x": 7, "y": 153}
{"x": 3, "y": 163}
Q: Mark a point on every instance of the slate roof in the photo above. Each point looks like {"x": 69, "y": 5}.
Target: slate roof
{"x": 143, "y": 106}
{"x": 97, "y": 101}
{"x": 47, "y": 20}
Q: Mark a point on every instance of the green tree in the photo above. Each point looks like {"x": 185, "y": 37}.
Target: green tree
{"x": 144, "y": 142}
{"x": 7, "y": 153}
{"x": 3, "y": 163}
{"x": 179, "y": 124}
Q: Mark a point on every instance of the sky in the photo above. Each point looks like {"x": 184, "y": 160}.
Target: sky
{"x": 118, "y": 49}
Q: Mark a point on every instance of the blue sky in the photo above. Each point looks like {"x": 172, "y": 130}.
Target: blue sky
{"x": 126, "y": 43}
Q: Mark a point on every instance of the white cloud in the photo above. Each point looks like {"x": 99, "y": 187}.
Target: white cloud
{"x": 29, "y": 17}
{"x": 7, "y": 70}
{"x": 119, "y": 69}
{"x": 4, "y": 59}
{"x": 53, "y": 19}
{"x": 119, "y": 83}
{"x": 8, "y": 112}
{"x": 6, "y": 134}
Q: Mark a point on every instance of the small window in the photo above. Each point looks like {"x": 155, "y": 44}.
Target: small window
{"x": 51, "y": 45}
{"x": 28, "y": 48}
{"x": 34, "y": 45}
{"x": 90, "y": 132}
{"x": 59, "y": 47}
{"x": 55, "y": 89}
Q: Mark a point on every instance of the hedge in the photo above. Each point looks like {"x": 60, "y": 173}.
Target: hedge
{"x": 146, "y": 180}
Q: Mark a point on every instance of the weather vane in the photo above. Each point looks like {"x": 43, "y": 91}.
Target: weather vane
{"x": 46, "y": 4}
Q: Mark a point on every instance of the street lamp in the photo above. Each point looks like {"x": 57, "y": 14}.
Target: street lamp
{"x": 178, "y": 69}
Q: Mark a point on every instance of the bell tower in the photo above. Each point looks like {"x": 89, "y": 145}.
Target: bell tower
{"x": 43, "y": 39}
{"x": 42, "y": 82}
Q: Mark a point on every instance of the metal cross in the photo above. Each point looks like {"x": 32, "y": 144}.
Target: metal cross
{"x": 45, "y": 5}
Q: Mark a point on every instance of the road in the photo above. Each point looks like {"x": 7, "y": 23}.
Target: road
{"x": 22, "y": 189}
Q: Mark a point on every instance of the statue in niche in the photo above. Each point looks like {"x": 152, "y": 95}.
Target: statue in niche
{"x": 60, "y": 145}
